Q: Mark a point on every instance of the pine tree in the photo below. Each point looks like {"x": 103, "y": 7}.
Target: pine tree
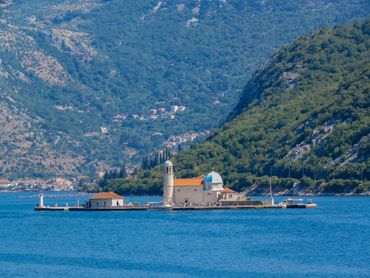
{"x": 122, "y": 172}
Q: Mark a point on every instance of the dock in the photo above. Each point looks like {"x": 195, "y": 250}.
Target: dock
{"x": 142, "y": 208}
{"x": 227, "y": 207}
{"x": 53, "y": 208}
{"x": 89, "y": 209}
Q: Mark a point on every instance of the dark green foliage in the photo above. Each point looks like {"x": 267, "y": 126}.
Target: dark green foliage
{"x": 151, "y": 161}
{"x": 116, "y": 174}
{"x": 133, "y": 185}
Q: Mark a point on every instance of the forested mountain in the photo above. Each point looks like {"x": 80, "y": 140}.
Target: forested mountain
{"x": 302, "y": 118}
{"x": 78, "y": 78}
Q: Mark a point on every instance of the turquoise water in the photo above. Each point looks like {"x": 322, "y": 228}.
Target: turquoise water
{"x": 330, "y": 241}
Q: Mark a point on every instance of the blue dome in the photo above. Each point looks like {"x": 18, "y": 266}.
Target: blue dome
{"x": 213, "y": 178}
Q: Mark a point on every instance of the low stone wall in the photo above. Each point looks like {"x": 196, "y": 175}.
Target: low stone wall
{"x": 240, "y": 203}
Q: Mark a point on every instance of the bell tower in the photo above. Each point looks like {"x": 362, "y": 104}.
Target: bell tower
{"x": 168, "y": 183}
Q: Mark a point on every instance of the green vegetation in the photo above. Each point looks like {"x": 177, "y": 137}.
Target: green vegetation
{"x": 113, "y": 180}
{"x": 303, "y": 117}
{"x": 145, "y": 58}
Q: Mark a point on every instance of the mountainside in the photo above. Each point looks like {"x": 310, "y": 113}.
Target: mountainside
{"x": 303, "y": 117}
{"x": 90, "y": 83}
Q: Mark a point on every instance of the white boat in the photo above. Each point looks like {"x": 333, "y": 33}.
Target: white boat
{"x": 157, "y": 206}
{"x": 297, "y": 203}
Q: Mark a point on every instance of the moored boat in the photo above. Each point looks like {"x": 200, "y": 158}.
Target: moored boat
{"x": 297, "y": 203}
{"x": 157, "y": 206}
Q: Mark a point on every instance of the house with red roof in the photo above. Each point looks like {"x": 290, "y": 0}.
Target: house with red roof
{"x": 4, "y": 183}
{"x": 105, "y": 200}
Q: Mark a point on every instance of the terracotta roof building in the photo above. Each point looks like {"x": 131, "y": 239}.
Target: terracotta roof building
{"x": 106, "y": 195}
{"x": 199, "y": 181}
{"x": 202, "y": 190}
{"x": 227, "y": 190}
{"x": 105, "y": 200}
{"x": 4, "y": 181}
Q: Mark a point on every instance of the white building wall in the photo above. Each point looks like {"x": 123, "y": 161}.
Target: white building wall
{"x": 194, "y": 195}
{"x": 191, "y": 194}
{"x": 209, "y": 196}
{"x": 106, "y": 203}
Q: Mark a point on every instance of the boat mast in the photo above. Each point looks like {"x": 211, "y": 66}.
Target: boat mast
{"x": 272, "y": 197}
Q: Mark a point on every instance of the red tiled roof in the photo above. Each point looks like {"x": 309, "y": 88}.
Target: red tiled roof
{"x": 227, "y": 190}
{"x": 106, "y": 195}
{"x": 4, "y": 181}
{"x": 199, "y": 181}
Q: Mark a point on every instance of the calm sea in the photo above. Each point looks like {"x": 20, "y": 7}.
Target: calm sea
{"x": 330, "y": 241}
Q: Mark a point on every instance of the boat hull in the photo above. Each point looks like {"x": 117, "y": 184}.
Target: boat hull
{"x": 300, "y": 206}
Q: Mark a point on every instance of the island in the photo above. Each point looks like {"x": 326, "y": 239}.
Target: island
{"x": 197, "y": 193}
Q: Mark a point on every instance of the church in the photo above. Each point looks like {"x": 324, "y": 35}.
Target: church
{"x": 203, "y": 190}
